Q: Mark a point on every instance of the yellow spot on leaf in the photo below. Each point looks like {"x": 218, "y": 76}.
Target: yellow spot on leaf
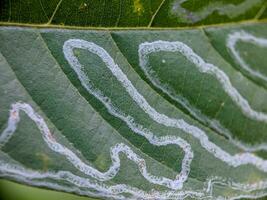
{"x": 45, "y": 159}
{"x": 138, "y": 7}
{"x": 83, "y": 6}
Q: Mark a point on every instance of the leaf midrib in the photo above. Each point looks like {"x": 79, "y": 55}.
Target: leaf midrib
{"x": 64, "y": 27}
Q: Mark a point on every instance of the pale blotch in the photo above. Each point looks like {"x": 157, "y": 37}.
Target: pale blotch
{"x": 228, "y": 9}
{"x": 138, "y": 7}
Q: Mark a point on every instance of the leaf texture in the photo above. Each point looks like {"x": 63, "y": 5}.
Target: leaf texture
{"x": 136, "y": 114}
{"x": 130, "y": 13}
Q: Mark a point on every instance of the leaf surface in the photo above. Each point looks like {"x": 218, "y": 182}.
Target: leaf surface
{"x": 135, "y": 113}
{"x": 130, "y": 13}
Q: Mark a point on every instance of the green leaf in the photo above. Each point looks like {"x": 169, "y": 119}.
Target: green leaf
{"x": 131, "y": 13}
{"x": 10, "y": 190}
{"x": 127, "y": 113}
{"x": 168, "y": 100}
